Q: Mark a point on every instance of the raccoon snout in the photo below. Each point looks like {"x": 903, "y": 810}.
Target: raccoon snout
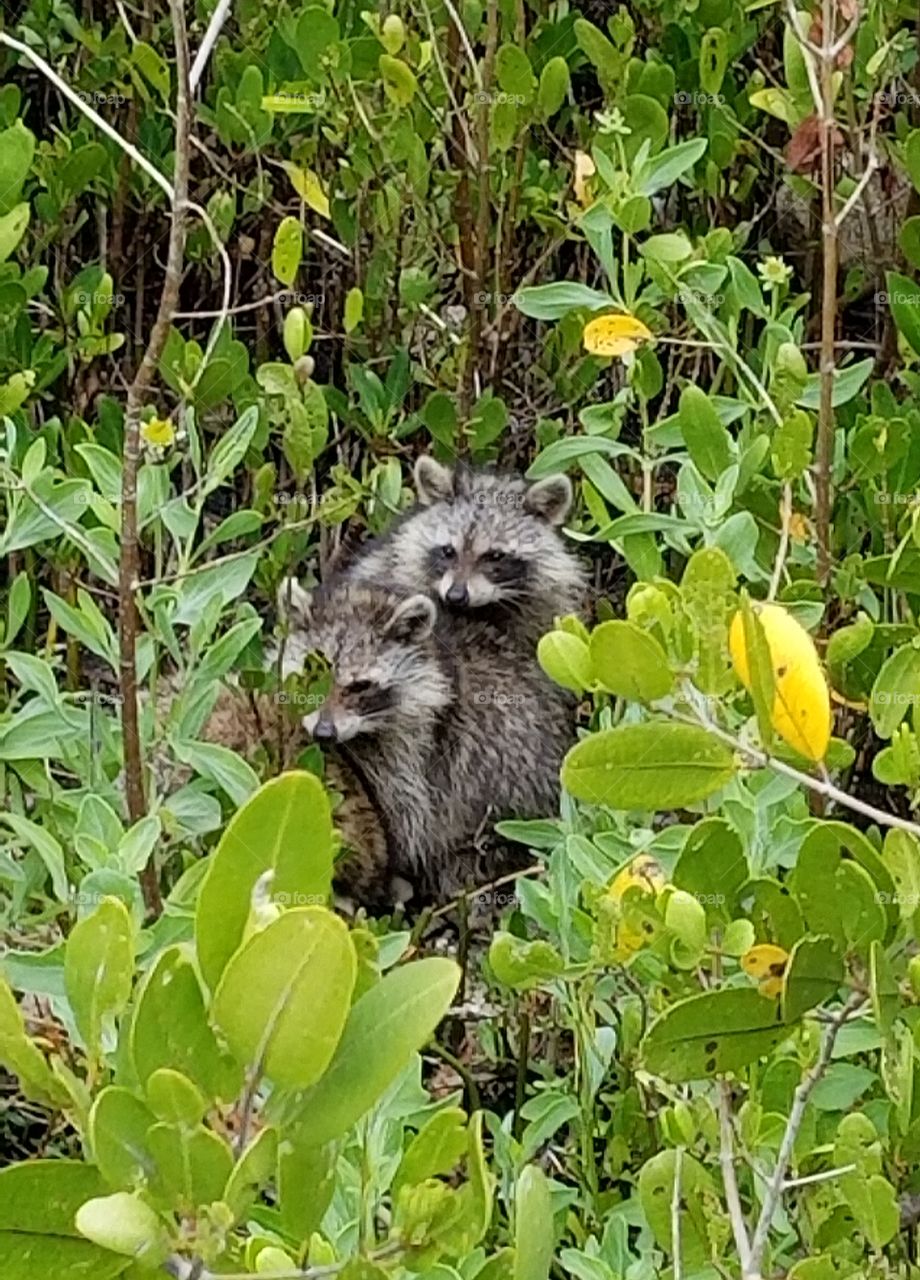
{"x": 458, "y": 593}
{"x": 325, "y": 730}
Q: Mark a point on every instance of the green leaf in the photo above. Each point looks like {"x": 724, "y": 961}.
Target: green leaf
{"x": 904, "y": 302}
{"x": 895, "y": 690}
{"x": 647, "y": 766}
{"x": 308, "y": 186}
{"x": 118, "y": 1126}
{"x": 13, "y": 228}
{"x": 713, "y": 60}
{"x": 399, "y": 82}
{"x": 354, "y": 309}
{"x": 514, "y": 73}
{"x": 554, "y": 87}
{"x": 306, "y": 1182}
{"x": 99, "y": 970}
{"x": 283, "y": 998}
{"x": 712, "y": 865}
{"x": 20, "y": 1055}
{"x": 848, "y": 382}
{"x": 707, "y": 440}
{"x": 285, "y": 828}
{"x": 125, "y": 1224}
{"x": 698, "y": 1197}
{"x": 435, "y": 1150}
{"x": 47, "y": 848}
{"x": 386, "y": 1026}
{"x": 170, "y": 1029}
{"x": 814, "y": 974}
{"x": 566, "y": 660}
{"x": 287, "y": 250}
{"x": 629, "y": 662}
{"x": 174, "y": 1098}
{"x": 792, "y": 446}
{"x": 534, "y": 1237}
{"x": 17, "y": 149}
{"x": 254, "y": 1170}
{"x": 553, "y": 301}
{"x": 194, "y": 1164}
{"x": 669, "y": 247}
{"x": 711, "y": 1034}
{"x": 522, "y": 964}
{"x": 663, "y": 170}
{"x": 883, "y": 988}
{"x": 876, "y": 1210}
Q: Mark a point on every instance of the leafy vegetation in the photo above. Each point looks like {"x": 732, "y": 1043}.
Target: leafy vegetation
{"x": 253, "y": 260}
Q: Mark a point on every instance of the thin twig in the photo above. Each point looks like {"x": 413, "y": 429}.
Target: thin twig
{"x": 678, "y": 1269}
{"x": 729, "y": 1175}
{"x": 129, "y": 568}
{"x": 810, "y": 1178}
{"x": 820, "y": 786}
{"x": 802, "y": 1094}
{"x": 782, "y": 550}
{"x": 218, "y": 18}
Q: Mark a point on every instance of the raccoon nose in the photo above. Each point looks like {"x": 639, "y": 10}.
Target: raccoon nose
{"x": 324, "y": 731}
{"x": 458, "y": 593}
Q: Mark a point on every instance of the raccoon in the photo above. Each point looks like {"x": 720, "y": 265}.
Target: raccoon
{"x": 444, "y": 739}
{"x": 390, "y": 686}
{"x": 486, "y": 544}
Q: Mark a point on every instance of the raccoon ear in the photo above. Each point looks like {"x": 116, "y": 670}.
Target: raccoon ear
{"x": 295, "y": 605}
{"x": 550, "y": 499}
{"x": 411, "y": 620}
{"x": 433, "y": 482}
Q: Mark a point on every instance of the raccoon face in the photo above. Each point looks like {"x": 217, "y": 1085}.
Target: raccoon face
{"x": 381, "y": 654}
{"x": 485, "y": 539}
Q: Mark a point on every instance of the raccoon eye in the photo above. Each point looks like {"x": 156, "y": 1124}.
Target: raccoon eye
{"x": 494, "y": 556}
{"x": 447, "y": 552}
{"x": 359, "y": 686}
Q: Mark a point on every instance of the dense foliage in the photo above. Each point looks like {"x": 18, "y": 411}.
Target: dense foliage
{"x": 254, "y": 259}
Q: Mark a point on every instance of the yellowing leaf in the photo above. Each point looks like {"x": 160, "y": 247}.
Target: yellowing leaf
{"x": 801, "y": 703}
{"x": 642, "y": 872}
{"x": 585, "y": 170}
{"x": 766, "y": 963}
{"x": 614, "y": 335}
{"x": 308, "y": 186}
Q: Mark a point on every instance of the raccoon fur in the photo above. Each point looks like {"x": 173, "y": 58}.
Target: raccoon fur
{"x": 486, "y": 544}
{"x": 445, "y": 739}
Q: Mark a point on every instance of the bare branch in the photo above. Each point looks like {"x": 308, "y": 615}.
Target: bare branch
{"x": 129, "y": 569}
{"x": 218, "y": 18}
{"x": 794, "y": 1123}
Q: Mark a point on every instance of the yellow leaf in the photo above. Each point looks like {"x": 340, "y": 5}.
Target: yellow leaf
{"x": 615, "y": 334}
{"x": 309, "y": 188}
{"x": 766, "y": 963}
{"x": 642, "y": 872}
{"x": 801, "y": 704}
{"x": 585, "y": 169}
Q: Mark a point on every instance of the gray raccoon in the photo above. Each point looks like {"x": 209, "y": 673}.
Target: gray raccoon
{"x": 446, "y": 741}
{"x": 484, "y": 543}
{"x": 390, "y": 685}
